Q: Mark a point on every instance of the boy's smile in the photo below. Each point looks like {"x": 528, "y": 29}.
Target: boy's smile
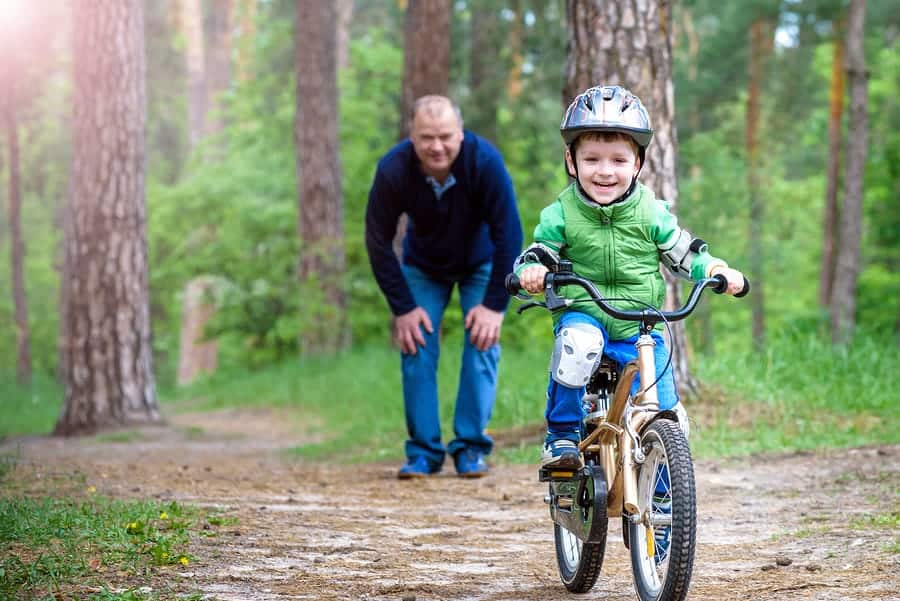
{"x": 605, "y": 169}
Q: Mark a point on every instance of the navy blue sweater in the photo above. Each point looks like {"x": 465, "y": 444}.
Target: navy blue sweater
{"x": 474, "y": 221}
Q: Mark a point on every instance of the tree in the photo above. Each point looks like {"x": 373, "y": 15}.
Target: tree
{"x": 108, "y": 373}
{"x": 760, "y": 43}
{"x": 320, "y": 225}
{"x": 836, "y": 109}
{"x": 843, "y": 299}
{"x": 195, "y": 63}
{"x": 630, "y": 44}
{"x": 426, "y": 53}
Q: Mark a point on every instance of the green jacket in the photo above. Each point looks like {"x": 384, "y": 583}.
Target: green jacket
{"x": 617, "y": 247}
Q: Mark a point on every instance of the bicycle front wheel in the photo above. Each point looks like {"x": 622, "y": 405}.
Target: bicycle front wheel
{"x": 664, "y": 537}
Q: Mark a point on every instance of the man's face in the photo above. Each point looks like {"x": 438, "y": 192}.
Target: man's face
{"x": 436, "y": 135}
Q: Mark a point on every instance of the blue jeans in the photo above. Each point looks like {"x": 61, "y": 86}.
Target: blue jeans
{"x": 477, "y": 378}
{"x": 564, "y": 409}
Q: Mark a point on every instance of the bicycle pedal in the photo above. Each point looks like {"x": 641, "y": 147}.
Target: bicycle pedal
{"x": 558, "y": 475}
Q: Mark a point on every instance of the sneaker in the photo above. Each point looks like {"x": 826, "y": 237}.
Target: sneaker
{"x": 417, "y": 467}
{"x": 561, "y": 454}
{"x": 470, "y": 463}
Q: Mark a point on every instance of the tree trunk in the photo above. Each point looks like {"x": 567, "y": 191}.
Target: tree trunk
{"x": 426, "y": 54}
{"x": 197, "y": 356}
{"x": 514, "y": 78}
{"x": 630, "y": 44}
{"x": 843, "y": 303}
{"x": 754, "y": 183}
{"x": 108, "y": 367}
{"x": 218, "y": 66}
{"x": 247, "y": 26}
{"x": 836, "y": 104}
{"x": 17, "y": 245}
{"x": 320, "y": 215}
{"x": 344, "y": 19}
{"x": 195, "y": 63}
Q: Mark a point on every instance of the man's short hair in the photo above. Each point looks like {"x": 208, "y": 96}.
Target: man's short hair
{"x": 430, "y": 103}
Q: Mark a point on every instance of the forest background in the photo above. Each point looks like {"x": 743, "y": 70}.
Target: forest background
{"x": 225, "y": 205}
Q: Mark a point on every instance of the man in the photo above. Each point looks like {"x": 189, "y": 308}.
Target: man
{"x": 463, "y": 230}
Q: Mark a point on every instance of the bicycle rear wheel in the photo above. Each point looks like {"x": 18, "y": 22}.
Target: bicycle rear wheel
{"x": 579, "y": 563}
{"x": 663, "y": 541}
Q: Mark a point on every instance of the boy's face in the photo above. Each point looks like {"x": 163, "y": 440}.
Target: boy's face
{"x": 605, "y": 168}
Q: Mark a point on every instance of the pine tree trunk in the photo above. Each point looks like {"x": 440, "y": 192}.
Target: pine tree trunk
{"x": 836, "y": 105}
{"x": 247, "y": 27}
{"x": 514, "y": 77}
{"x": 426, "y": 54}
{"x": 344, "y": 20}
{"x": 218, "y": 65}
{"x": 754, "y": 183}
{"x": 17, "y": 244}
{"x": 108, "y": 365}
{"x": 321, "y": 216}
{"x": 843, "y": 303}
{"x": 630, "y": 44}
{"x": 195, "y": 63}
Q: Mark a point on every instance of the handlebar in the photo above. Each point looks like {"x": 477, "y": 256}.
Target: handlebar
{"x": 564, "y": 277}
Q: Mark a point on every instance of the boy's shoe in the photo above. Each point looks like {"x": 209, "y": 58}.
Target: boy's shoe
{"x": 417, "y": 467}
{"x": 470, "y": 463}
{"x": 561, "y": 454}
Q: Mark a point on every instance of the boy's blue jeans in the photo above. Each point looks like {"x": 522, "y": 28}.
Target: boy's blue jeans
{"x": 564, "y": 408}
{"x": 477, "y": 378}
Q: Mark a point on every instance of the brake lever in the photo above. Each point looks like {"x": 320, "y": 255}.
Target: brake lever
{"x": 530, "y": 305}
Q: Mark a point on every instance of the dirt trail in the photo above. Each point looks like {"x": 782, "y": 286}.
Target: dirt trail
{"x": 313, "y": 531}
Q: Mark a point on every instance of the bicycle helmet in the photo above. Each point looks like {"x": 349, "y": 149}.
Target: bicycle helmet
{"x": 607, "y": 108}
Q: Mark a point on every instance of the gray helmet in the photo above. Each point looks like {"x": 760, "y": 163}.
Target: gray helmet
{"x": 607, "y": 108}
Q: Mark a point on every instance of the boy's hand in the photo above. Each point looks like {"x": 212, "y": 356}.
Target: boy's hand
{"x": 735, "y": 279}
{"x": 532, "y": 278}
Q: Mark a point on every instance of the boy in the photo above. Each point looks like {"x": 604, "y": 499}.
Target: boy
{"x": 615, "y": 233}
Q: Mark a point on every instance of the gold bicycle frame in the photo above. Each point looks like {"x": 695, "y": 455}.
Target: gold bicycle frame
{"x": 614, "y": 437}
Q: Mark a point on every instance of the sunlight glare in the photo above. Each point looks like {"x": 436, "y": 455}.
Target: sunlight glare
{"x": 13, "y": 16}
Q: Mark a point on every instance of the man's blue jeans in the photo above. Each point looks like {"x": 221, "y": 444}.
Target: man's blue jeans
{"x": 477, "y": 378}
{"x": 564, "y": 408}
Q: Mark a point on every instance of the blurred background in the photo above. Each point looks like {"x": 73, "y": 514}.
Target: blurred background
{"x": 763, "y": 131}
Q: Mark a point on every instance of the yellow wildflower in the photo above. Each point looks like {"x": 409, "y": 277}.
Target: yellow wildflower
{"x": 92, "y": 489}
{"x": 183, "y": 560}
{"x": 164, "y": 516}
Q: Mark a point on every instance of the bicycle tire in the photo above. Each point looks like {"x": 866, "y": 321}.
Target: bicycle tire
{"x": 664, "y": 574}
{"x": 579, "y": 563}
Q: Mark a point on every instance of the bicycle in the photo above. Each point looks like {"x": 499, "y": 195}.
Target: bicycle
{"x": 637, "y": 462}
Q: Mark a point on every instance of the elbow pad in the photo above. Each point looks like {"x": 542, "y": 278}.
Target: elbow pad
{"x": 538, "y": 253}
{"x": 679, "y": 252}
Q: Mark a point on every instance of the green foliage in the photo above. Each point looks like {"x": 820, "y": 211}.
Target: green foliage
{"x": 49, "y": 544}
{"x": 29, "y": 409}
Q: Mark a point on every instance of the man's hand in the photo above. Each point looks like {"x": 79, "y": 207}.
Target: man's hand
{"x": 484, "y": 326}
{"x": 735, "y": 278}
{"x": 532, "y": 278}
{"x": 407, "y": 334}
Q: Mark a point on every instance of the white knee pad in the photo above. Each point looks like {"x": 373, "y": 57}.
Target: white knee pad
{"x": 576, "y": 354}
{"x": 683, "y": 422}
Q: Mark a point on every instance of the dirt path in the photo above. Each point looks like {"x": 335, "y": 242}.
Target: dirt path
{"x": 310, "y": 531}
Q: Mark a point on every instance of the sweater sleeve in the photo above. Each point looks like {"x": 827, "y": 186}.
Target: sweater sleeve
{"x": 549, "y": 232}
{"x": 382, "y": 213}
{"x": 665, "y": 230}
{"x": 502, "y": 217}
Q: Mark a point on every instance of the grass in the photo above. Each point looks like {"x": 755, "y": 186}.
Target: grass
{"x": 78, "y": 544}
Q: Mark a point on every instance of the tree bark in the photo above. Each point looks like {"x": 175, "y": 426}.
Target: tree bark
{"x": 17, "y": 244}
{"x": 108, "y": 371}
{"x": 344, "y": 19}
{"x": 247, "y": 26}
{"x": 195, "y": 63}
{"x": 218, "y": 66}
{"x": 320, "y": 215}
{"x": 426, "y": 54}
{"x": 630, "y": 44}
{"x": 754, "y": 184}
{"x": 483, "y": 80}
{"x": 836, "y": 109}
{"x": 843, "y": 303}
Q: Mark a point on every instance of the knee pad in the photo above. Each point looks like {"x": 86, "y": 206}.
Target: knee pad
{"x": 576, "y": 354}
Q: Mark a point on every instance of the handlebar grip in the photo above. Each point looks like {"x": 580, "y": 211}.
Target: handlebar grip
{"x": 745, "y": 290}
{"x": 722, "y": 286}
{"x": 513, "y": 286}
